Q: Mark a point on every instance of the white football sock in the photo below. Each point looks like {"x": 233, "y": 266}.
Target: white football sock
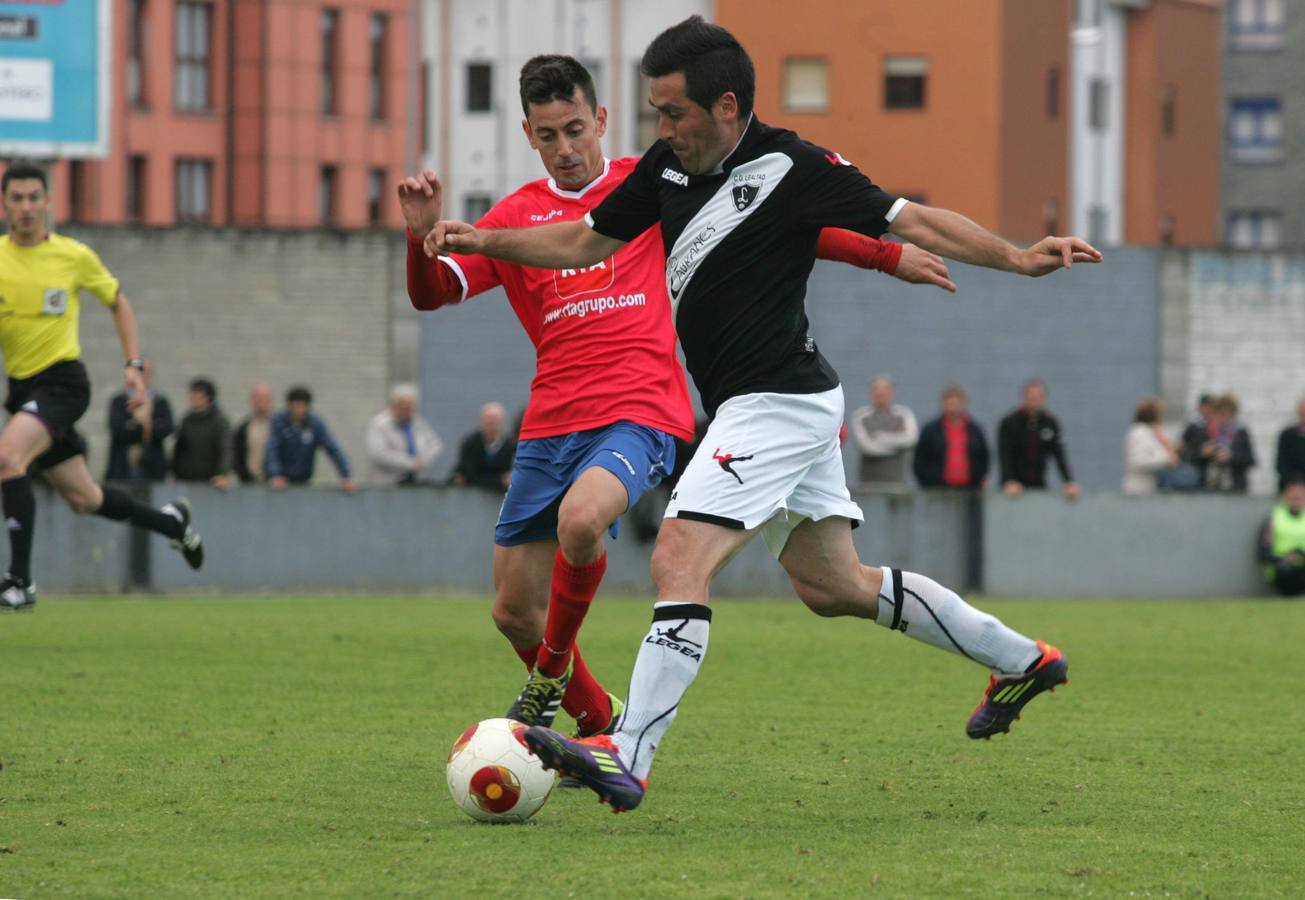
{"x": 922, "y": 608}
{"x": 667, "y": 663}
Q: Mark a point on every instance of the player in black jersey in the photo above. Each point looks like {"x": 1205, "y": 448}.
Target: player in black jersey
{"x": 740, "y": 205}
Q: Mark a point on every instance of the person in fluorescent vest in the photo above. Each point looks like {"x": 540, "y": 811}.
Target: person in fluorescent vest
{"x": 1282, "y": 542}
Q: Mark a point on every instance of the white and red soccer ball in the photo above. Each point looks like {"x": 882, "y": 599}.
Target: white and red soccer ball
{"x": 493, "y": 777}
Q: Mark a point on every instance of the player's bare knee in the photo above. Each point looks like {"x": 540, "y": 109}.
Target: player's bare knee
{"x": 817, "y": 598}
{"x": 10, "y": 464}
{"x": 580, "y": 532}
{"x": 82, "y": 502}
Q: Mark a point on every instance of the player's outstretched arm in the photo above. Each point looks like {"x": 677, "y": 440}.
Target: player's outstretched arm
{"x": 952, "y": 235}
{"x": 560, "y": 245}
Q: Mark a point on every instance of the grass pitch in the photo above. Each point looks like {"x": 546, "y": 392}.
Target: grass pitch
{"x": 249, "y": 747}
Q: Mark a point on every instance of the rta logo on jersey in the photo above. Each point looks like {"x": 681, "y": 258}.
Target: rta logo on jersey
{"x": 574, "y": 282}
{"x": 677, "y": 177}
{"x": 552, "y": 214}
{"x": 54, "y": 302}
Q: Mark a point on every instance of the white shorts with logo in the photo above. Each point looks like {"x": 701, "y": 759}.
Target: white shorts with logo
{"x": 770, "y": 461}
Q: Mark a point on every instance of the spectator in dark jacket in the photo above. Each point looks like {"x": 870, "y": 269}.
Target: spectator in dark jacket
{"x": 1291, "y": 450}
{"x": 1025, "y": 440}
{"x": 1222, "y": 450}
{"x": 293, "y": 440}
{"x": 952, "y": 451}
{"x": 136, "y": 435}
{"x": 485, "y": 458}
{"x": 203, "y": 448}
{"x": 1198, "y": 445}
{"x": 249, "y": 443}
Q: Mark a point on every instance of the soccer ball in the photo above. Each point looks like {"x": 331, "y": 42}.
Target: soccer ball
{"x": 493, "y": 777}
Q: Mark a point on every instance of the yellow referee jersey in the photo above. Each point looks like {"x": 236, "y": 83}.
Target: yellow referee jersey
{"x": 38, "y": 301}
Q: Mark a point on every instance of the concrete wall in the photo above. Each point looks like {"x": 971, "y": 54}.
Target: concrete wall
{"x": 441, "y": 539}
{"x": 316, "y": 308}
{"x": 1107, "y": 545}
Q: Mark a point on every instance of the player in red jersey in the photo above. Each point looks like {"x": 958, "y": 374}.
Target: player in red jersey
{"x": 608, "y": 396}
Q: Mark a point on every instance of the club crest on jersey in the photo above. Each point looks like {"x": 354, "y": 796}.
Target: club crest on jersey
{"x": 574, "y": 282}
{"x": 744, "y": 194}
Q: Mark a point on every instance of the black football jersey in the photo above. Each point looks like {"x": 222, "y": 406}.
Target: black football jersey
{"x": 740, "y": 244}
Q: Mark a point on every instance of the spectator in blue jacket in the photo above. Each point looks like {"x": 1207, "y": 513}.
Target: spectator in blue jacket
{"x": 292, "y": 442}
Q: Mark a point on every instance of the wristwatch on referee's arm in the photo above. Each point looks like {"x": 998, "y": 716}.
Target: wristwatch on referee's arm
{"x": 138, "y": 364}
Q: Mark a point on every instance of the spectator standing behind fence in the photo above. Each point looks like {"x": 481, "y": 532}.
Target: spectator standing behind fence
{"x": 952, "y": 451}
{"x": 1197, "y": 438}
{"x": 1025, "y": 440}
{"x": 1282, "y": 541}
{"x": 203, "y": 448}
{"x": 249, "y": 444}
{"x": 1226, "y": 453}
{"x": 884, "y": 432}
{"x": 400, "y": 442}
{"x": 1149, "y": 456}
{"x": 136, "y": 436}
{"x": 293, "y": 438}
{"x": 485, "y": 457}
{"x": 1291, "y": 449}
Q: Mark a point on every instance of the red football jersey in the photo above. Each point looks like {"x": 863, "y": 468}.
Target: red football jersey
{"x": 603, "y": 336}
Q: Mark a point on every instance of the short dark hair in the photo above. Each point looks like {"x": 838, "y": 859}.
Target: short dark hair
{"x": 712, "y": 60}
{"x": 205, "y": 387}
{"x": 299, "y": 394}
{"x": 553, "y": 77}
{"x": 18, "y": 171}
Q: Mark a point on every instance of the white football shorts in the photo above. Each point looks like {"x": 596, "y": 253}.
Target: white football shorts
{"x": 768, "y": 461}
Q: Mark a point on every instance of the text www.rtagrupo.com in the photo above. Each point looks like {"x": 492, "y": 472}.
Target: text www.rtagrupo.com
{"x": 578, "y": 309}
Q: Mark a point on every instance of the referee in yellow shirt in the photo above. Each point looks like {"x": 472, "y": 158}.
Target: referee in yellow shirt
{"x": 40, "y": 276}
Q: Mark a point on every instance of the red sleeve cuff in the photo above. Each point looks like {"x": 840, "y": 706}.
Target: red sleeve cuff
{"x": 840, "y": 245}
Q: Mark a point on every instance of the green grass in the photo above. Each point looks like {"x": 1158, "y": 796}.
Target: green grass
{"x": 242, "y": 747}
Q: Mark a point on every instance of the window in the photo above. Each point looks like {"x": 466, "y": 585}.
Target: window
{"x": 330, "y": 27}
{"x": 1254, "y": 229}
{"x": 1098, "y": 104}
{"x": 379, "y": 27}
{"x": 326, "y": 195}
{"x": 135, "y": 189}
{"x": 1255, "y": 130}
{"x": 375, "y": 196}
{"x": 1051, "y": 216}
{"x": 136, "y": 44}
{"x": 1087, "y": 13}
{"x": 480, "y": 87}
{"x": 1053, "y": 92}
{"x": 904, "y": 82}
{"x": 1256, "y": 24}
{"x": 1168, "y": 110}
{"x": 474, "y": 207}
{"x": 645, "y": 117}
{"x": 193, "y": 37}
{"x": 595, "y": 70}
{"x": 1098, "y": 220}
{"x": 1165, "y": 229}
{"x": 76, "y": 190}
{"x": 806, "y": 85}
{"x": 193, "y": 189}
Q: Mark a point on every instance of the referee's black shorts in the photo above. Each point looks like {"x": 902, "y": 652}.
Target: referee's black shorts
{"x": 58, "y": 396}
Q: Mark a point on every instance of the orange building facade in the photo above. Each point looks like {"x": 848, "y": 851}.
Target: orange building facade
{"x": 968, "y": 104}
{"x": 253, "y": 113}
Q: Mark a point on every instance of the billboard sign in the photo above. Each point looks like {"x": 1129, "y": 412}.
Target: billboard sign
{"x": 55, "y": 78}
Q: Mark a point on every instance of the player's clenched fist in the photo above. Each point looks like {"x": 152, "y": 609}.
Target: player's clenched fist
{"x": 452, "y": 236}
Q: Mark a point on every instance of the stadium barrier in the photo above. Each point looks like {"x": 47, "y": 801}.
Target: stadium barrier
{"x": 439, "y": 539}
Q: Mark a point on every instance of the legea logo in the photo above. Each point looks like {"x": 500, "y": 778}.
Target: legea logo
{"x": 574, "y": 282}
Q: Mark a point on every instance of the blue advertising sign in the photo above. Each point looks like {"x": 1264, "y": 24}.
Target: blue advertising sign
{"x": 55, "y": 78}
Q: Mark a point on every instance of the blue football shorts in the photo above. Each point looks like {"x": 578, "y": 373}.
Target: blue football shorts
{"x": 545, "y": 469}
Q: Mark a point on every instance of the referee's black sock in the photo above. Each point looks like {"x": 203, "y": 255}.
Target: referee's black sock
{"x": 120, "y": 507}
{"x": 20, "y": 518}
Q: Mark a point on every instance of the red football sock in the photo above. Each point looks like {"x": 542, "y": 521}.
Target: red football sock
{"x": 585, "y": 700}
{"x": 573, "y": 590}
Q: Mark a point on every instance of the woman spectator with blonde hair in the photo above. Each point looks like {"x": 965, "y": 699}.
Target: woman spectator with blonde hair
{"x": 1149, "y": 455}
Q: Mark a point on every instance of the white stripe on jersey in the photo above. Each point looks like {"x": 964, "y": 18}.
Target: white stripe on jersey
{"x": 718, "y": 217}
